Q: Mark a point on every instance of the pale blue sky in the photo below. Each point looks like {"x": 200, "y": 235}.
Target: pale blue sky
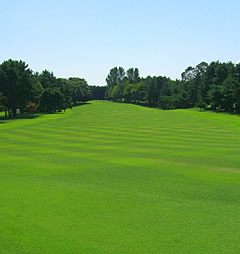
{"x": 87, "y": 38}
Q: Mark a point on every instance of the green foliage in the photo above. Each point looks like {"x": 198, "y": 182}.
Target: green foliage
{"x": 46, "y": 79}
{"x": 117, "y": 92}
{"x": 133, "y": 75}
{"x": 37, "y": 90}
{"x": 139, "y": 92}
{"x": 21, "y": 89}
{"x": 3, "y": 100}
{"x": 51, "y": 100}
{"x": 80, "y": 91}
{"x": 98, "y": 92}
{"x": 216, "y": 84}
{"x": 115, "y": 76}
{"x": 166, "y": 102}
{"x": 16, "y": 85}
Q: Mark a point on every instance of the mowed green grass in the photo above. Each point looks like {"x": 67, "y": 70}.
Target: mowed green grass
{"x": 119, "y": 178}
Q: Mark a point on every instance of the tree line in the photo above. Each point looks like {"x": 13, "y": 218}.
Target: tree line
{"x": 215, "y": 86}
{"x": 98, "y": 92}
{"x": 23, "y": 90}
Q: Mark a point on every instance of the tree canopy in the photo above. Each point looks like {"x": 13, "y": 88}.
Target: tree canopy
{"x": 215, "y": 85}
{"x": 22, "y": 89}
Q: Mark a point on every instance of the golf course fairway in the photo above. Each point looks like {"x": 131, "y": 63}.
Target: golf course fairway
{"x": 112, "y": 178}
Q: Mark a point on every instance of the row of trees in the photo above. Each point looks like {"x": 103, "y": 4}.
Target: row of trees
{"x": 24, "y": 90}
{"x": 98, "y": 92}
{"x": 215, "y": 85}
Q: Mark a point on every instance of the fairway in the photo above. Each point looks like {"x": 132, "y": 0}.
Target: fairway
{"x": 120, "y": 178}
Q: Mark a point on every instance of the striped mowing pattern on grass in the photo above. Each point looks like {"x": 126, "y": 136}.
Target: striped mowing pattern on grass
{"x": 119, "y": 178}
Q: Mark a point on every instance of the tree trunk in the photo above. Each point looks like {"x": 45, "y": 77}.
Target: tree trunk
{"x": 14, "y": 112}
{"x": 5, "y": 108}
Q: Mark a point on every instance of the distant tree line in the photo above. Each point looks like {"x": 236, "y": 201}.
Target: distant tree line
{"x": 98, "y": 92}
{"x": 27, "y": 91}
{"x": 215, "y": 85}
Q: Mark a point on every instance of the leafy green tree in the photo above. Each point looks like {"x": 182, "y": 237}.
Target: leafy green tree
{"x": 188, "y": 74}
{"x": 117, "y": 92}
{"x": 98, "y": 92}
{"x": 215, "y": 95}
{"x": 47, "y": 79}
{"x": 16, "y": 85}
{"x": 37, "y": 90}
{"x": 228, "y": 93}
{"x": 152, "y": 91}
{"x": 139, "y": 93}
{"x": 51, "y": 100}
{"x": 200, "y": 85}
{"x": 115, "y": 76}
{"x": 166, "y": 102}
{"x": 127, "y": 92}
{"x": 216, "y": 84}
{"x": 80, "y": 90}
{"x": 133, "y": 75}
{"x": 237, "y": 98}
{"x": 65, "y": 89}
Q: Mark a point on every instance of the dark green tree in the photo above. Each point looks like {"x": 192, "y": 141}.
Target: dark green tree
{"x": 98, "y": 92}
{"x": 47, "y": 79}
{"x": 115, "y": 76}
{"x": 16, "y": 84}
{"x": 51, "y": 100}
{"x": 133, "y": 75}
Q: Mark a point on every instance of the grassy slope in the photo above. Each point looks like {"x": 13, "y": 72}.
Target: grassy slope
{"x": 117, "y": 178}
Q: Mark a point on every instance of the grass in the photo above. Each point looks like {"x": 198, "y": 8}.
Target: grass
{"x": 118, "y": 178}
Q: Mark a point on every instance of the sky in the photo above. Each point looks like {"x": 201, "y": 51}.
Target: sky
{"x": 75, "y": 38}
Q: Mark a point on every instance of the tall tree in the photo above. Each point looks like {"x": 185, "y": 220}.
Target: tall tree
{"x": 16, "y": 84}
{"x": 47, "y": 79}
{"x": 51, "y": 100}
{"x": 115, "y": 76}
{"x": 133, "y": 75}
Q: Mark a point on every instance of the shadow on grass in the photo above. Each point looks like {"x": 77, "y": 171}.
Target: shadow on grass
{"x": 146, "y": 105}
{"x": 82, "y": 104}
{"x": 222, "y": 112}
{"x": 196, "y": 108}
{"x": 142, "y": 104}
{"x": 4, "y": 119}
{"x": 23, "y": 116}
